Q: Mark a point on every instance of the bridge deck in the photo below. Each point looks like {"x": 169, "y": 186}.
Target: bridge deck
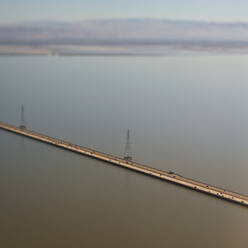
{"x": 163, "y": 175}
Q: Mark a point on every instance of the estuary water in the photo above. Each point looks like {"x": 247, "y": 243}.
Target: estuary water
{"x": 188, "y": 114}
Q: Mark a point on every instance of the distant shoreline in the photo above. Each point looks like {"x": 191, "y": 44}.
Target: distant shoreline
{"x": 121, "y": 50}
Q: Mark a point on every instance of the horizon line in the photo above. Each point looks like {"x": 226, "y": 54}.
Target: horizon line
{"x": 122, "y": 19}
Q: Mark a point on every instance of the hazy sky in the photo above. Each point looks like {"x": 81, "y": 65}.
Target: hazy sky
{"x": 73, "y": 10}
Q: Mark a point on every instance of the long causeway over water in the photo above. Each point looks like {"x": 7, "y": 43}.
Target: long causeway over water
{"x": 163, "y": 175}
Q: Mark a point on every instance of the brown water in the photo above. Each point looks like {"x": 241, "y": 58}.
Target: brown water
{"x": 187, "y": 114}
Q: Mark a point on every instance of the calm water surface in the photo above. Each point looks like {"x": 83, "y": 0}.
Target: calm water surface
{"x": 186, "y": 114}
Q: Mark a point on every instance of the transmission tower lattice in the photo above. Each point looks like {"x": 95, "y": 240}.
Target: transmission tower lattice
{"x": 127, "y": 153}
{"x": 22, "y": 124}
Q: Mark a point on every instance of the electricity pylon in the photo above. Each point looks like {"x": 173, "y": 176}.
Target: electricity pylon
{"x": 127, "y": 153}
{"x": 22, "y": 124}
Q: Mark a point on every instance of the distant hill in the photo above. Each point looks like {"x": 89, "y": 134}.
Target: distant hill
{"x": 140, "y": 31}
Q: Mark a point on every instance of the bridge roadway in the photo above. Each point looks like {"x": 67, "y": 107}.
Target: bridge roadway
{"x": 163, "y": 175}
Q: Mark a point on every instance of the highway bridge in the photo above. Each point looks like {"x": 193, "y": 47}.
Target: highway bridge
{"x": 171, "y": 177}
